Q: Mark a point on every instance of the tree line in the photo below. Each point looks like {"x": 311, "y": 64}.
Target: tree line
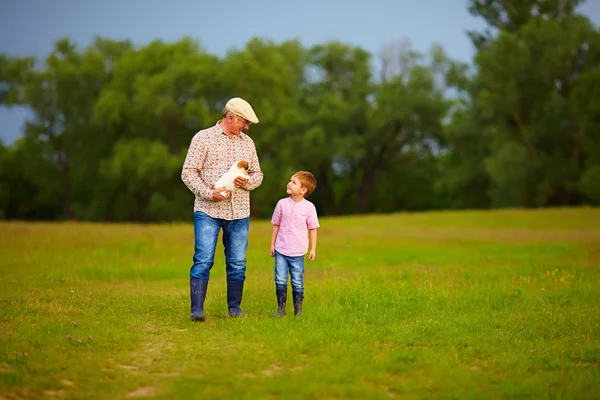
{"x": 519, "y": 126}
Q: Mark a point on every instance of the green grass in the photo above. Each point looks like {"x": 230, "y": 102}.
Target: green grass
{"x": 451, "y": 305}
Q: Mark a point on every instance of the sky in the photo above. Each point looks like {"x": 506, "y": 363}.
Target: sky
{"x": 30, "y": 27}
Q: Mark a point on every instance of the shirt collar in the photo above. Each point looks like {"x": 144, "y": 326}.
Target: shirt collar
{"x": 293, "y": 202}
{"x": 222, "y": 132}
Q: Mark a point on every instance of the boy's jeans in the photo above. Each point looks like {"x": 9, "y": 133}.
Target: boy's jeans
{"x": 235, "y": 241}
{"x": 295, "y": 265}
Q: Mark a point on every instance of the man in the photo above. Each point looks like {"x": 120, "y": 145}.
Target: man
{"x": 212, "y": 151}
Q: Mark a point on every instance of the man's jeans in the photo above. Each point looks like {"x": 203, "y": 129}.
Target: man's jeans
{"x": 235, "y": 241}
{"x": 295, "y": 265}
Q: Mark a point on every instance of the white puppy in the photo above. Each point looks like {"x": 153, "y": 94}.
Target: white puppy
{"x": 239, "y": 168}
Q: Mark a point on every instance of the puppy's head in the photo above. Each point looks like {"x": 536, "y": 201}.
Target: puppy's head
{"x": 243, "y": 165}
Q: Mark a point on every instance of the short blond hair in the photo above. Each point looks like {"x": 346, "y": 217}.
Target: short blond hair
{"x": 307, "y": 180}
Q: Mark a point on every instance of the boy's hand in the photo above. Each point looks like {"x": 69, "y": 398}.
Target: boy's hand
{"x": 272, "y": 252}
{"x": 311, "y": 255}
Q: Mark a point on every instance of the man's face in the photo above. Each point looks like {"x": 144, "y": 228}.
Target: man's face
{"x": 239, "y": 124}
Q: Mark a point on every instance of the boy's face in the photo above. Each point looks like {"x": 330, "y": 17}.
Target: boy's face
{"x": 294, "y": 187}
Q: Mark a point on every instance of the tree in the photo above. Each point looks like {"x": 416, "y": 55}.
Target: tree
{"x": 61, "y": 96}
{"x": 510, "y": 16}
{"x": 138, "y": 179}
{"x": 526, "y": 83}
{"x": 522, "y": 118}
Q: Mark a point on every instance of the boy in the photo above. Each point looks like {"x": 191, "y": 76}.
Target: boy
{"x": 294, "y": 221}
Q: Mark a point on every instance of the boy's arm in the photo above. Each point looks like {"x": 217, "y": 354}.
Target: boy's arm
{"x": 312, "y": 235}
{"x": 274, "y": 233}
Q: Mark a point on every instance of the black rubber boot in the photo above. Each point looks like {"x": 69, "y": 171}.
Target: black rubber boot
{"x": 281, "y": 300}
{"x": 298, "y": 298}
{"x": 235, "y": 290}
{"x": 198, "y": 295}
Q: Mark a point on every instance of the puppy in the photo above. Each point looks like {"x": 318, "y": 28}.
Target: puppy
{"x": 239, "y": 168}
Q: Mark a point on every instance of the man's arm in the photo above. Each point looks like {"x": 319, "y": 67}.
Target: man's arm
{"x": 254, "y": 172}
{"x": 194, "y": 162}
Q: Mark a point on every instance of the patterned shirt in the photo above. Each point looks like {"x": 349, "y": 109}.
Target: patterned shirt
{"x": 210, "y": 155}
{"x": 294, "y": 220}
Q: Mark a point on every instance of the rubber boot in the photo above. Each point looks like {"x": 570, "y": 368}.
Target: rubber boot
{"x": 298, "y": 298}
{"x": 281, "y": 300}
{"x": 198, "y": 295}
{"x": 235, "y": 290}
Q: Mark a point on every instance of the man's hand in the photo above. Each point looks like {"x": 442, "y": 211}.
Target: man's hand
{"x": 217, "y": 196}
{"x": 311, "y": 255}
{"x": 240, "y": 181}
{"x": 272, "y": 251}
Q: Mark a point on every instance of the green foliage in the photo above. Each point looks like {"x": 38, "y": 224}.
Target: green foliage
{"x": 589, "y": 183}
{"x": 532, "y": 102}
{"x": 139, "y": 176}
{"x": 29, "y": 182}
{"x": 520, "y": 127}
{"x": 511, "y": 16}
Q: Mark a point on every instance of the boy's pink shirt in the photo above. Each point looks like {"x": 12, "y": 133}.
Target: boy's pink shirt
{"x": 294, "y": 220}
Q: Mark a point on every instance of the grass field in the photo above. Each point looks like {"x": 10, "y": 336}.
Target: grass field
{"x": 450, "y": 305}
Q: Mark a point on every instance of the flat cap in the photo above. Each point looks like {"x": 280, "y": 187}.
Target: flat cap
{"x": 242, "y": 108}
